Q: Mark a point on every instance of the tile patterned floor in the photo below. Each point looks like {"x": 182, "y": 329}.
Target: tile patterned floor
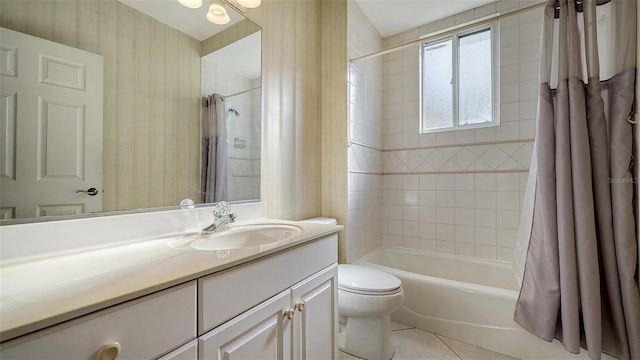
{"x": 416, "y": 344}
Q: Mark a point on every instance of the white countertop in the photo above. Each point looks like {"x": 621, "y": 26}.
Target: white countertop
{"x": 40, "y": 292}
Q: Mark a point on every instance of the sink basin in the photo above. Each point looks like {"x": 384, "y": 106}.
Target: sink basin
{"x": 236, "y": 237}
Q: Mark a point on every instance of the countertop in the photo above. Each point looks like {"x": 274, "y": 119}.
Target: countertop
{"x": 45, "y": 291}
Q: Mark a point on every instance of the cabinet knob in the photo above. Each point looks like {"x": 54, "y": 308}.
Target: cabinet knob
{"x": 289, "y": 313}
{"x": 109, "y": 351}
{"x": 299, "y": 305}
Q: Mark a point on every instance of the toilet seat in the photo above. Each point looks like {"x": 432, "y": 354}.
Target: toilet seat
{"x": 367, "y": 281}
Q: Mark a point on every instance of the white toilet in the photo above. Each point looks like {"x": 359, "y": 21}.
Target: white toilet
{"x": 366, "y": 298}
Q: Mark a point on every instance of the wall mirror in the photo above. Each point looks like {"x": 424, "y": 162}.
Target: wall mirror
{"x": 149, "y": 64}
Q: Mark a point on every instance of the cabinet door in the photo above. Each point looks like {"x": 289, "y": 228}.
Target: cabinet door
{"x": 263, "y": 332}
{"x": 316, "y": 317}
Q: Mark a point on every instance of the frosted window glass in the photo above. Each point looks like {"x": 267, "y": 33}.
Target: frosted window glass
{"x": 474, "y": 92}
{"x": 437, "y": 99}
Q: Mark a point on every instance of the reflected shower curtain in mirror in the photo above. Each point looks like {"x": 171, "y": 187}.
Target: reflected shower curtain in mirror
{"x": 213, "y": 184}
{"x": 580, "y": 283}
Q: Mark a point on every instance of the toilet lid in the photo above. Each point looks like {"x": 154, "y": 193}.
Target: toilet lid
{"x": 362, "y": 279}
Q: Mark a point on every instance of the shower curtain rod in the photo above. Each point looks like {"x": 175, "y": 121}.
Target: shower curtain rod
{"x": 243, "y": 92}
{"x": 455, "y": 29}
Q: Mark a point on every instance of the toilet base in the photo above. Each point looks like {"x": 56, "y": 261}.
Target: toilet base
{"x": 368, "y": 338}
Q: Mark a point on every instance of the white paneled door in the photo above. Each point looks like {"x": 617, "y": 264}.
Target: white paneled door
{"x": 316, "y": 326}
{"x": 51, "y": 128}
{"x": 262, "y": 333}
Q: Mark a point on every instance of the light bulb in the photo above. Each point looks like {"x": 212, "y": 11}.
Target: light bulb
{"x": 218, "y": 19}
{"x": 217, "y": 9}
{"x": 193, "y": 4}
{"x": 249, "y": 3}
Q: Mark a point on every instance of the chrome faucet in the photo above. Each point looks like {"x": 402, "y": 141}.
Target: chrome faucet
{"x": 222, "y": 217}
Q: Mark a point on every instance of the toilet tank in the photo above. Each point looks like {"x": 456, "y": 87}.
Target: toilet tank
{"x": 322, "y": 220}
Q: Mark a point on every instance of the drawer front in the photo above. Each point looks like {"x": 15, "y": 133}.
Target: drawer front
{"x": 144, "y": 328}
{"x": 226, "y": 294}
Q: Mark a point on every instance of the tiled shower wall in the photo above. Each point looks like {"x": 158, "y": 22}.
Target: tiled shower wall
{"x": 460, "y": 191}
{"x": 365, "y": 134}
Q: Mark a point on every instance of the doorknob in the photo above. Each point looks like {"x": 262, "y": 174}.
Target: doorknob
{"x": 90, "y": 192}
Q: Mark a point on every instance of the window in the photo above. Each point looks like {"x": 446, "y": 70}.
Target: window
{"x": 458, "y": 81}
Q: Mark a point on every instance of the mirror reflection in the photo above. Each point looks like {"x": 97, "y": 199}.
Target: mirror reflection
{"x": 231, "y": 80}
{"x": 135, "y": 142}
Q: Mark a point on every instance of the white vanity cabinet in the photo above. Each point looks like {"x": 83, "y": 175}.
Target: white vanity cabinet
{"x": 292, "y": 302}
{"x": 144, "y": 328}
{"x": 279, "y": 306}
{"x": 298, "y": 323}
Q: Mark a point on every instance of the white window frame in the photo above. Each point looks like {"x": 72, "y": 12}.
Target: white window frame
{"x": 495, "y": 86}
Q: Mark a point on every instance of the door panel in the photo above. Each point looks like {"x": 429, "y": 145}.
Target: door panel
{"x": 51, "y": 127}
{"x": 261, "y": 333}
{"x": 315, "y": 327}
{"x": 8, "y": 120}
{"x": 61, "y": 140}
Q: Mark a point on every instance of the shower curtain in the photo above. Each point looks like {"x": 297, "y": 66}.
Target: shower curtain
{"x": 213, "y": 184}
{"x": 579, "y": 283}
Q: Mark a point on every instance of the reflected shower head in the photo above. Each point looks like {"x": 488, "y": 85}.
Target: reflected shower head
{"x": 234, "y": 111}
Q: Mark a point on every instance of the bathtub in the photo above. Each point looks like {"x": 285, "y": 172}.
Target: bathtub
{"x": 464, "y": 298}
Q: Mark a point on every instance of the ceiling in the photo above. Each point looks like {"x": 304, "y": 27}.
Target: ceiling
{"x": 192, "y": 22}
{"x": 391, "y": 17}
{"x": 240, "y": 56}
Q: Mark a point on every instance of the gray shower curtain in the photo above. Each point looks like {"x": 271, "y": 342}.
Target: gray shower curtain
{"x": 213, "y": 184}
{"x": 580, "y": 283}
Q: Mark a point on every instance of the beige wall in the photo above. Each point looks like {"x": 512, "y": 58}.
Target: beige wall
{"x": 228, "y": 36}
{"x": 151, "y": 94}
{"x": 291, "y": 172}
{"x": 334, "y": 117}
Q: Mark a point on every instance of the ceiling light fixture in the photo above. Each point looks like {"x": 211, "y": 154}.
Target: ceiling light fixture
{"x": 218, "y": 19}
{"x": 251, "y": 4}
{"x": 217, "y": 12}
{"x": 192, "y": 4}
{"x": 217, "y": 8}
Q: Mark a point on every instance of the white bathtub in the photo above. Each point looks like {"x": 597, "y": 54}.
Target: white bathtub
{"x": 464, "y": 298}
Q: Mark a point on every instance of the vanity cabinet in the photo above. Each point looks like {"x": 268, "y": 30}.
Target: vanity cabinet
{"x": 144, "y": 328}
{"x": 298, "y": 323}
{"x": 279, "y": 306}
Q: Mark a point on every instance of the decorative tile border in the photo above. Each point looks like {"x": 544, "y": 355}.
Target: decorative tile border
{"x": 472, "y": 158}
{"x": 497, "y": 142}
{"x": 364, "y": 159}
{"x": 507, "y": 171}
{"x": 490, "y": 157}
